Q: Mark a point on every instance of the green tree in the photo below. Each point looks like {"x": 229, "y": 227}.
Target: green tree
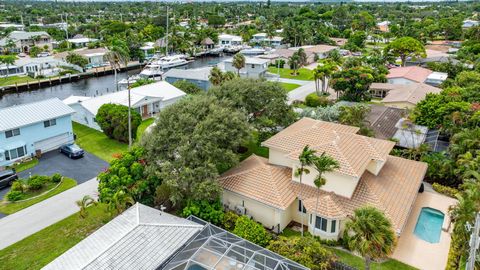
{"x": 208, "y": 210}
{"x": 188, "y": 87}
{"x": 113, "y": 120}
{"x": 405, "y": 47}
{"x": 306, "y": 158}
{"x": 238, "y": 62}
{"x": 116, "y": 57}
{"x": 353, "y": 83}
{"x": 85, "y": 202}
{"x": 304, "y": 250}
{"x": 252, "y": 231}
{"x": 323, "y": 72}
{"x": 294, "y": 63}
{"x": 193, "y": 140}
{"x": 356, "y": 116}
{"x": 323, "y": 164}
{"x": 216, "y": 76}
{"x": 34, "y": 51}
{"x": 120, "y": 201}
{"x": 76, "y": 59}
{"x": 369, "y": 233}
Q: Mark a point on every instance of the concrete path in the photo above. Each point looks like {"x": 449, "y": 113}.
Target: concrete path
{"x": 284, "y": 80}
{"x": 301, "y": 92}
{"x": 28, "y": 221}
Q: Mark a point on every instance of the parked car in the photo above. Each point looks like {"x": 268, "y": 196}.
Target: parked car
{"x": 7, "y": 177}
{"x": 43, "y": 54}
{"x": 72, "y": 151}
{"x": 21, "y": 54}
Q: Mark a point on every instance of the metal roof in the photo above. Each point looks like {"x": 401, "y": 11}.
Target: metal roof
{"x": 200, "y": 74}
{"x": 140, "y": 238}
{"x": 30, "y": 113}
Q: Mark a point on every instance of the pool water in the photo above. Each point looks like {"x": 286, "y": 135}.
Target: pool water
{"x": 429, "y": 225}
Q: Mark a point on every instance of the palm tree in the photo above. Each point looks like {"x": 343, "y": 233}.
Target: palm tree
{"x": 306, "y": 159}
{"x": 120, "y": 201}
{"x": 323, "y": 164}
{"x": 317, "y": 75}
{"x": 116, "y": 57}
{"x": 85, "y": 202}
{"x": 216, "y": 76}
{"x": 294, "y": 62}
{"x": 325, "y": 70}
{"x": 369, "y": 233}
{"x": 238, "y": 62}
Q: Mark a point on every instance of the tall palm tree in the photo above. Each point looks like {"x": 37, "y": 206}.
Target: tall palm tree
{"x": 369, "y": 233}
{"x": 323, "y": 164}
{"x": 306, "y": 159}
{"x": 120, "y": 201}
{"x": 85, "y": 202}
{"x": 117, "y": 57}
{"x": 238, "y": 62}
{"x": 325, "y": 70}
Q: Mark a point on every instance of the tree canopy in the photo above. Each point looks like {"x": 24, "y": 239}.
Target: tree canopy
{"x": 113, "y": 120}
{"x": 405, "y": 47}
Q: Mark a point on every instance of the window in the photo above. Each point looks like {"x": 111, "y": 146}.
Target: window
{"x": 321, "y": 223}
{"x": 333, "y": 226}
{"x": 13, "y": 132}
{"x": 49, "y": 123}
{"x": 300, "y": 206}
{"x": 253, "y": 66}
{"x": 16, "y": 153}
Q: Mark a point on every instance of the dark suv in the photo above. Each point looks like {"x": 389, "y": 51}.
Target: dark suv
{"x": 7, "y": 177}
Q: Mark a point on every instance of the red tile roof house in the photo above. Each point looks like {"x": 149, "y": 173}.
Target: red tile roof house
{"x": 268, "y": 191}
{"x": 415, "y": 74}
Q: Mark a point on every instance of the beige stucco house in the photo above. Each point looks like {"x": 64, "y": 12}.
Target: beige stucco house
{"x": 268, "y": 191}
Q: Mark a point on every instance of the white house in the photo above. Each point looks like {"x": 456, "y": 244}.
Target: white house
{"x": 263, "y": 38}
{"x": 470, "y": 23}
{"x": 80, "y": 41}
{"x": 225, "y": 40}
{"x": 254, "y": 67}
{"x": 24, "y": 41}
{"x": 147, "y": 100}
{"x": 40, "y": 66}
{"x": 95, "y": 56}
{"x": 415, "y": 74}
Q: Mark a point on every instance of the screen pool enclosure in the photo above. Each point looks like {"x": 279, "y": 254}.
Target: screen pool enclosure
{"x": 216, "y": 248}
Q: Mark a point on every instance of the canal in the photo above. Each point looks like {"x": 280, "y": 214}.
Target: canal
{"x": 87, "y": 87}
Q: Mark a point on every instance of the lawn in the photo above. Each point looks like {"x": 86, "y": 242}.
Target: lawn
{"x": 15, "y": 79}
{"x": 303, "y": 73}
{"x": 25, "y": 165}
{"x": 289, "y": 86}
{"x": 37, "y": 250}
{"x": 355, "y": 261}
{"x": 254, "y": 147}
{"x": 141, "y": 129}
{"x": 97, "y": 143}
{"x": 11, "y": 208}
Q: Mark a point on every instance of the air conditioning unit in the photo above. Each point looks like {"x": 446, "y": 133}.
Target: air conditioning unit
{"x": 240, "y": 210}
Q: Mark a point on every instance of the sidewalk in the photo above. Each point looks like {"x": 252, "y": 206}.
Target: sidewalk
{"x": 28, "y": 221}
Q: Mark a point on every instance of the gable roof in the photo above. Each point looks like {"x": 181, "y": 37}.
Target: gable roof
{"x": 30, "y": 113}
{"x": 413, "y": 73}
{"x": 255, "y": 178}
{"x": 18, "y": 35}
{"x": 353, "y": 152}
{"x": 411, "y": 93}
{"x": 139, "y": 238}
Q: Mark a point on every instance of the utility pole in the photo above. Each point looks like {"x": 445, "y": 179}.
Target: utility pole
{"x": 129, "y": 114}
{"x": 474, "y": 243}
{"x": 166, "y": 51}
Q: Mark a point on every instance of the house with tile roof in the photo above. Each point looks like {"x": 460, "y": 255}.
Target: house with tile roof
{"x": 402, "y": 96}
{"x": 415, "y": 74}
{"x": 268, "y": 190}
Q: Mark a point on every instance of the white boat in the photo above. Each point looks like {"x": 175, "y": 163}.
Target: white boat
{"x": 152, "y": 71}
{"x": 253, "y": 51}
{"x": 169, "y": 62}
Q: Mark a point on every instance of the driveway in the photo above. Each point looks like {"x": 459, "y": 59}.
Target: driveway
{"x": 419, "y": 253}
{"x": 30, "y": 220}
{"x": 82, "y": 169}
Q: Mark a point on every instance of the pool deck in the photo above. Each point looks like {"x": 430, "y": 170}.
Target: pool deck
{"x": 417, "y": 252}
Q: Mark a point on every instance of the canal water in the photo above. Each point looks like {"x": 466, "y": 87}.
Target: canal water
{"x": 93, "y": 86}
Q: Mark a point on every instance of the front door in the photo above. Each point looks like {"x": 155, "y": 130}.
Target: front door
{"x": 145, "y": 111}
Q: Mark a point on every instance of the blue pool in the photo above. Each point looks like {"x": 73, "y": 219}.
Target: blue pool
{"x": 429, "y": 225}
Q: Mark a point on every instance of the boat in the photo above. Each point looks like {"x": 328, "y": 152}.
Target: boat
{"x": 169, "y": 62}
{"x": 253, "y": 51}
{"x": 152, "y": 71}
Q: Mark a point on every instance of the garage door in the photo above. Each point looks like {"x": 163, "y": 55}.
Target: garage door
{"x": 53, "y": 142}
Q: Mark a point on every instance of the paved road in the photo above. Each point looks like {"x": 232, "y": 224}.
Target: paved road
{"x": 82, "y": 169}
{"x": 301, "y": 92}
{"x": 19, "y": 225}
{"x": 284, "y": 80}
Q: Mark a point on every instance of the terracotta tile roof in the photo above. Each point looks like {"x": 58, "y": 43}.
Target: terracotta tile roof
{"x": 393, "y": 191}
{"x": 410, "y": 93}
{"x": 413, "y": 73}
{"x": 256, "y": 179}
{"x": 328, "y": 206}
{"x": 353, "y": 152}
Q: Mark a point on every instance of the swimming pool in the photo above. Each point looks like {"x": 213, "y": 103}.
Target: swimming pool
{"x": 429, "y": 225}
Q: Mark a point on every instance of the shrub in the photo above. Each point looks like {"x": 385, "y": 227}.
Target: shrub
{"x": 56, "y": 178}
{"x": 252, "y": 231}
{"x": 13, "y": 196}
{"x": 314, "y": 100}
{"x": 17, "y": 186}
{"x": 113, "y": 120}
{"x": 448, "y": 191}
{"x": 187, "y": 87}
{"x": 36, "y": 182}
{"x": 304, "y": 250}
{"x": 208, "y": 211}
{"x": 229, "y": 220}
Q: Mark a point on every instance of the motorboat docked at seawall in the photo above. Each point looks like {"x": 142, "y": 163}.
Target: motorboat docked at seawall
{"x": 253, "y": 51}
{"x": 170, "y": 61}
{"x": 150, "y": 71}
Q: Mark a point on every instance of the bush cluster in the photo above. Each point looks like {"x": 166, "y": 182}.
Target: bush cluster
{"x": 208, "y": 211}
{"x": 252, "y": 231}
{"x": 448, "y": 191}
{"x": 36, "y": 182}
{"x": 314, "y": 100}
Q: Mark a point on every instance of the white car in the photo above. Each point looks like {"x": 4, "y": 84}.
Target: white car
{"x": 43, "y": 54}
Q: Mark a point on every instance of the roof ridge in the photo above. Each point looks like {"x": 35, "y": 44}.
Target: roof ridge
{"x": 350, "y": 167}
{"x": 378, "y": 157}
{"x": 276, "y": 181}
{"x": 246, "y": 171}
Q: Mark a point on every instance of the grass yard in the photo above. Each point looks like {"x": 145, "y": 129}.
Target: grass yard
{"x": 303, "y": 73}
{"x": 143, "y": 126}
{"x": 37, "y": 250}
{"x": 97, "y": 143}
{"x": 15, "y": 79}
{"x": 10, "y": 208}
{"x": 25, "y": 165}
{"x": 289, "y": 86}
